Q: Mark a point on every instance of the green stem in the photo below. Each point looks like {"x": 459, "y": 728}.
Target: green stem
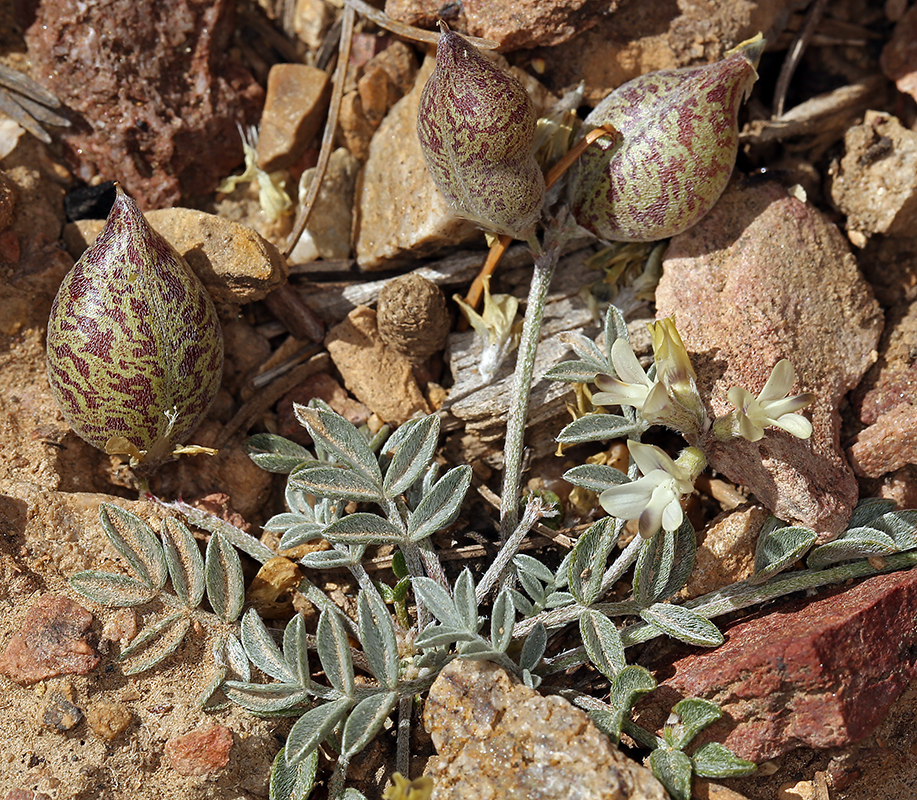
{"x": 545, "y": 263}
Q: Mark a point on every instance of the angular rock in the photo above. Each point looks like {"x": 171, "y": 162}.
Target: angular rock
{"x": 376, "y": 374}
{"x": 764, "y": 277}
{"x": 725, "y": 551}
{"x": 294, "y": 110}
{"x": 890, "y": 266}
{"x": 200, "y": 752}
{"x": 887, "y": 445}
{"x": 331, "y": 223}
{"x": 61, "y": 714}
{"x": 817, "y": 674}
{"x": 642, "y": 37}
{"x": 399, "y": 208}
{"x": 52, "y": 640}
{"x": 899, "y": 56}
{"x": 496, "y": 738}
{"x": 156, "y": 93}
{"x": 234, "y": 263}
{"x": 513, "y": 24}
{"x": 875, "y": 183}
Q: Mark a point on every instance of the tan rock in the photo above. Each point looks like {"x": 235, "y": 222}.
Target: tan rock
{"x": 108, "y": 720}
{"x": 400, "y": 210}
{"x": 498, "y": 738}
{"x": 235, "y": 264}
{"x": 331, "y": 223}
{"x": 377, "y": 375}
{"x": 200, "y": 752}
{"x": 294, "y": 111}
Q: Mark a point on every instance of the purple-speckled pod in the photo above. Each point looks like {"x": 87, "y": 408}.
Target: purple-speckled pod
{"x": 677, "y": 149}
{"x": 476, "y": 125}
{"x": 133, "y": 340}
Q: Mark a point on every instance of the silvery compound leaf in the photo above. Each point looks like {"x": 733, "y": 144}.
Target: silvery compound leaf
{"x": 602, "y": 642}
{"x": 238, "y": 538}
{"x": 694, "y": 714}
{"x": 439, "y": 635}
{"x": 673, "y": 769}
{"x": 334, "y": 559}
{"x": 275, "y": 454}
{"x": 573, "y": 372}
{"x": 336, "y": 435}
{"x": 111, "y": 590}
{"x": 868, "y": 509}
{"x": 292, "y": 782}
{"x": 377, "y": 635}
{"x": 595, "y": 477}
{"x": 609, "y": 721}
{"x": 233, "y": 654}
{"x": 365, "y": 721}
{"x": 714, "y": 760}
{"x": 653, "y": 568}
{"x": 298, "y": 501}
{"x": 598, "y": 428}
{"x": 184, "y": 560}
{"x": 300, "y": 534}
{"x": 363, "y": 528}
{"x": 585, "y": 349}
{"x": 296, "y": 650}
{"x": 685, "y": 555}
{"x": 464, "y": 599}
{"x": 282, "y": 522}
{"x": 615, "y": 328}
{"x": 437, "y": 600}
{"x": 476, "y": 650}
{"x": 336, "y": 483}
{"x": 562, "y": 576}
{"x": 559, "y": 600}
{"x": 441, "y": 506}
{"x": 534, "y": 588}
{"x": 851, "y": 545}
{"x": 900, "y": 525}
{"x": 155, "y": 643}
{"x": 587, "y": 564}
{"x": 266, "y": 698}
{"x": 263, "y": 651}
{"x": 532, "y": 566}
{"x": 779, "y": 548}
{"x": 225, "y": 582}
{"x": 334, "y": 652}
{"x": 135, "y": 540}
{"x": 629, "y": 685}
{"x": 352, "y": 794}
{"x": 313, "y": 727}
{"x": 502, "y": 619}
{"x": 213, "y": 686}
{"x": 682, "y": 624}
{"x": 533, "y": 647}
{"x": 411, "y": 453}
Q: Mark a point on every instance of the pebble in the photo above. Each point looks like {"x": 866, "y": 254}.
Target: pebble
{"x": 52, "y": 640}
{"x": 764, "y": 277}
{"x": 235, "y": 264}
{"x": 875, "y": 183}
{"x": 498, "y": 739}
{"x": 331, "y": 223}
{"x": 61, "y": 714}
{"x": 819, "y": 674}
{"x": 294, "y": 112}
{"x": 173, "y": 133}
{"x": 899, "y": 56}
{"x": 377, "y": 375}
{"x": 200, "y": 752}
{"x": 400, "y": 211}
{"x": 108, "y": 720}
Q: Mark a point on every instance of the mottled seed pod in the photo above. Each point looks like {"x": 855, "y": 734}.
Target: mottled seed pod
{"x": 678, "y": 145}
{"x": 476, "y": 125}
{"x": 135, "y": 349}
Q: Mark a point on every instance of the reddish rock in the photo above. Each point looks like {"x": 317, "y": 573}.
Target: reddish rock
{"x": 513, "y": 24}
{"x": 887, "y": 445}
{"x": 200, "y": 752}
{"x": 153, "y": 92}
{"x": 761, "y": 278}
{"x": 814, "y": 674}
{"x": 294, "y": 110}
{"x": 53, "y": 640}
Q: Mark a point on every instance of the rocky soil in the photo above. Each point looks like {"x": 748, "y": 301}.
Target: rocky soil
{"x": 811, "y": 255}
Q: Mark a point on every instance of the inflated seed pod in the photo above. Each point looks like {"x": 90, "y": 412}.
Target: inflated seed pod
{"x": 135, "y": 349}
{"x": 476, "y": 125}
{"x": 677, "y": 148}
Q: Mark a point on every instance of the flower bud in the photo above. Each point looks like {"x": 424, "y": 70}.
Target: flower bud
{"x": 677, "y": 148}
{"x": 476, "y": 125}
{"x": 135, "y": 350}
